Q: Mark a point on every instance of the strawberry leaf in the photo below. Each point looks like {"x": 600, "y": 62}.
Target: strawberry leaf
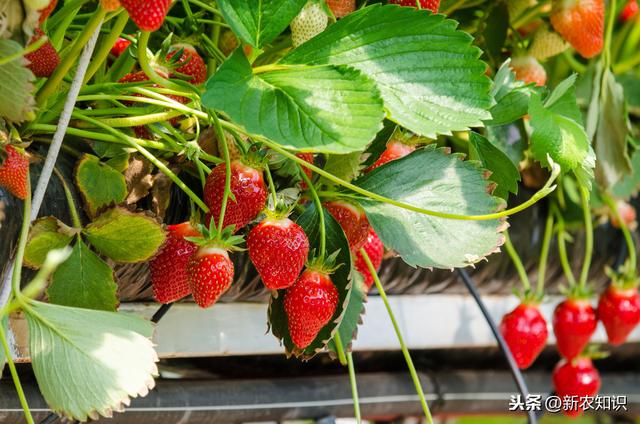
{"x": 428, "y": 73}
{"x": 336, "y": 242}
{"x": 84, "y": 280}
{"x": 258, "y": 24}
{"x": 348, "y": 327}
{"x": 345, "y": 167}
{"x": 448, "y": 185}
{"x": 312, "y": 108}
{"x": 511, "y": 96}
{"x": 100, "y": 184}
{"x": 629, "y": 184}
{"x": 503, "y": 171}
{"x": 125, "y": 236}
{"x": 15, "y": 84}
{"x": 45, "y": 235}
{"x": 89, "y": 363}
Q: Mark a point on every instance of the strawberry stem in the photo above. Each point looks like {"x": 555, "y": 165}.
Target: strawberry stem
{"x": 628, "y": 238}
{"x": 102, "y": 52}
{"x": 354, "y": 388}
{"x": 517, "y": 262}
{"x": 403, "y": 346}
{"x": 562, "y": 248}
{"x": 340, "y": 349}
{"x": 14, "y": 372}
{"x": 73, "y": 210}
{"x": 227, "y": 164}
{"x": 544, "y": 254}
{"x": 318, "y": 204}
{"x": 143, "y": 59}
{"x": 588, "y": 235}
{"x": 272, "y": 186}
{"x": 606, "y": 55}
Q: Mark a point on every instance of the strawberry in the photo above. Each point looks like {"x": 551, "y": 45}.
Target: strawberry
{"x": 574, "y": 322}
{"x": 353, "y": 221}
{"x": 575, "y": 379}
{"x": 619, "y": 311}
{"x": 169, "y": 267}
{"x": 45, "y": 12}
{"x": 581, "y": 23}
{"x": 307, "y": 157}
{"x": 148, "y": 15}
{"x": 627, "y": 214}
{"x": 210, "y": 274}
{"x": 375, "y": 250}
{"x": 546, "y": 44}
{"x": 525, "y": 331}
{"x": 311, "y": 21}
{"x": 247, "y": 186}
{"x": 110, "y": 5}
{"x": 14, "y": 171}
{"x": 119, "y": 47}
{"x": 44, "y": 60}
{"x": 630, "y": 10}
{"x": 529, "y": 70}
{"x": 278, "y": 248}
{"x": 431, "y": 5}
{"x": 395, "y": 150}
{"x": 191, "y": 63}
{"x": 309, "y": 304}
{"x": 341, "y": 8}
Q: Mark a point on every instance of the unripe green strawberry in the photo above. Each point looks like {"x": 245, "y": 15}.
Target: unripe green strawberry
{"x": 529, "y": 70}
{"x": 311, "y": 21}
{"x": 547, "y": 44}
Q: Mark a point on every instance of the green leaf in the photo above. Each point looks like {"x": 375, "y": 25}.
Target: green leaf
{"x": 99, "y": 183}
{"x": 428, "y": 73}
{"x": 341, "y": 278}
{"x": 509, "y": 139}
{"x": 629, "y": 184}
{"x": 345, "y": 167}
{"x": 348, "y": 327}
{"x": 46, "y": 234}
{"x": 511, "y": 96}
{"x": 493, "y": 31}
{"x": 84, "y": 280}
{"x": 258, "y": 23}
{"x": 312, "y": 108}
{"x": 503, "y": 172}
{"x": 431, "y": 179}
{"x": 15, "y": 84}
{"x": 612, "y": 132}
{"x": 125, "y": 236}
{"x": 89, "y": 363}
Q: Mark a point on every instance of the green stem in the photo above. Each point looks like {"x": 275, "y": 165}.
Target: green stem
{"x": 134, "y": 121}
{"x": 528, "y": 15}
{"x": 562, "y": 252}
{"x": 227, "y": 164}
{"x": 131, "y": 141}
{"x": 22, "y": 242}
{"x": 318, "y": 204}
{"x": 102, "y": 52}
{"x": 206, "y": 7}
{"x": 543, "y": 192}
{"x": 608, "y": 33}
{"x": 573, "y": 62}
{"x": 143, "y": 59}
{"x": 14, "y": 373}
{"x": 354, "y": 388}
{"x": 627, "y": 65}
{"x": 403, "y": 346}
{"x": 588, "y": 235}
{"x": 73, "y": 211}
{"x": 30, "y": 48}
{"x": 272, "y": 186}
{"x": 340, "y": 348}
{"x": 544, "y": 254}
{"x": 64, "y": 67}
{"x": 628, "y": 238}
{"x": 515, "y": 258}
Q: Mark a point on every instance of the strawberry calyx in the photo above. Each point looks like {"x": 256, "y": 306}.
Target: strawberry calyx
{"x": 210, "y": 237}
{"x": 591, "y": 352}
{"x": 624, "y": 279}
{"x": 529, "y": 297}
{"x": 325, "y": 265}
{"x": 576, "y": 293}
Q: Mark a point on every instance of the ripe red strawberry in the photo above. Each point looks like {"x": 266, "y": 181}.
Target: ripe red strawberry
{"x": 529, "y": 70}
{"x": 307, "y": 157}
{"x": 341, "y": 8}
{"x": 581, "y": 23}
{"x": 191, "y": 63}
{"x": 629, "y": 11}
{"x": 278, "y": 248}
{"x": 210, "y": 274}
{"x": 169, "y": 267}
{"x": 309, "y": 304}
{"x": 431, "y": 5}
{"x": 14, "y": 171}
{"x": 395, "y": 150}
{"x": 311, "y": 21}
{"x": 525, "y": 331}
{"x": 575, "y": 379}
{"x": 247, "y": 185}
{"x": 619, "y": 311}
{"x": 353, "y": 221}
{"x": 574, "y": 322}
{"x": 546, "y": 44}
{"x": 45, "y": 59}
{"x": 627, "y": 214}
{"x": 148, "y": 15}
{"x": 45, "y": 12}
{"x": 119, "y": 47}
{"x": 375, "y": 250}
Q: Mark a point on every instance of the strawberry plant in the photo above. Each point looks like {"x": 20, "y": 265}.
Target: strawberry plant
{"x": 322, "y": 136}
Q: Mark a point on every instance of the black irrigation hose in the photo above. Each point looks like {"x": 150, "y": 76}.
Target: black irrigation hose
{"x": 49, "y": 419}
{"x": 162, "y": 310}
{"x": 513, "y": 367}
